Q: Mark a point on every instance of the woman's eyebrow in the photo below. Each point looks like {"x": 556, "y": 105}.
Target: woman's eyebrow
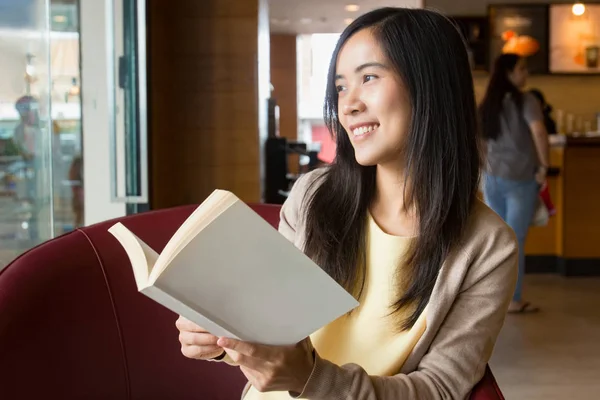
{"x": 363, "y": 66}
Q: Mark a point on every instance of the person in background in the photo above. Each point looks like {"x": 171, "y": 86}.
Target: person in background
{"x": 27, "y": 132}
{"x": 396, "y": 221}
{"x": 513, "y": 127}
{"x": 546, "y": 110}
{"x": 27, "y": 136}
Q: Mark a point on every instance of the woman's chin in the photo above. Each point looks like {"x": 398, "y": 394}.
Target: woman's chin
{"x": 366, "y": 161}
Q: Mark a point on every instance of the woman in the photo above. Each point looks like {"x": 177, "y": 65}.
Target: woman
{"x": 517, "y": 154}
{"x": 396, "y": 221}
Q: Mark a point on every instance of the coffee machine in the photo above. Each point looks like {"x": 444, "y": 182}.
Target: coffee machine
{"x": 278, "y": 179}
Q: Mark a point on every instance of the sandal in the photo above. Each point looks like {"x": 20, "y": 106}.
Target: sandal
{"x": 526, "y": 308}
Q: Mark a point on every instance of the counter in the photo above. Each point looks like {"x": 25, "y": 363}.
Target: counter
{"x": 570, "y": 243}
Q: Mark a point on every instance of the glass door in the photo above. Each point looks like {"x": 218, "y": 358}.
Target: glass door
{"x": 65, "y": 99}
{"x": 129, "y": 146}
{"x": 113, "y": 82}
{"x": 40, "y": 133}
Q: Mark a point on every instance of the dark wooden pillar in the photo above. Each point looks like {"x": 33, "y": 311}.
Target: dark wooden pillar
{"x": 208, "y": 83}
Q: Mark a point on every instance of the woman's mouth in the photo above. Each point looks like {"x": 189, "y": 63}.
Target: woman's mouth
{"x": 363, "y": 131}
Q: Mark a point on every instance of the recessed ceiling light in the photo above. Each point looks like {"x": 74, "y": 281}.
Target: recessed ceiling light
{"x": 348, "y": 21}
{"x": 305, "y": 21}
{"x": 277, "y": 21}
{"x": 578, "y": 9}
{"x": 352, "y": 7}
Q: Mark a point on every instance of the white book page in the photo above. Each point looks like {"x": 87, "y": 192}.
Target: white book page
{"x": 141, "y": 256}
{"x": 188, "y": 229}
{"x": 250, "y": 280}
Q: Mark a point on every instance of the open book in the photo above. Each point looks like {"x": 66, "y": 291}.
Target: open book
{"x": 232, "y": 273}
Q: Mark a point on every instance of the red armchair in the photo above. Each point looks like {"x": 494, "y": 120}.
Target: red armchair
{"x": 73, "y": 326}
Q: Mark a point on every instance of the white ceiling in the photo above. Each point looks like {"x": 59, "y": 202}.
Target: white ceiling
{"x": 322, "y": 16}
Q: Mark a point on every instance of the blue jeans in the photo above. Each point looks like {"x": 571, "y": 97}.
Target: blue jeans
{"x": 515, "y": 202}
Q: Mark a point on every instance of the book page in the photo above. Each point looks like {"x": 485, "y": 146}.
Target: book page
{"x": 211, "y": 208}
{"x": 242, "y": 274}
{"x": 141, "y": 256}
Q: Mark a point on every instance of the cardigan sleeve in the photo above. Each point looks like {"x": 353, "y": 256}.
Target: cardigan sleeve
{"x": 292, "y": 212}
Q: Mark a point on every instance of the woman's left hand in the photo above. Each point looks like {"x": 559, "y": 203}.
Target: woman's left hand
{"x": 272, "y": 368}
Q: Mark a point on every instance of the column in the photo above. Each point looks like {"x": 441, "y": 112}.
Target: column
{"x": 208, "y": 81}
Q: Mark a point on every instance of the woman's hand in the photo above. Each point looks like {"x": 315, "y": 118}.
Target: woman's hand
{"x": 196, "y": 342}
{"x": 272, "y": 368}
{"x": 540, "y": 175}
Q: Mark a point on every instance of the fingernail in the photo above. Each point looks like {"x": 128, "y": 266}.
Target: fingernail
{"x": 222, "y": 342}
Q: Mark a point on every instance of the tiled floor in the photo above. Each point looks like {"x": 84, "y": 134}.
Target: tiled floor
{"x": 554, "y": 354}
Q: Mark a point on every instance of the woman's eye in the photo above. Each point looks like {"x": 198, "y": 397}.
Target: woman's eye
{"x": 340, "y": 88}
{"x": 368, "y": 78}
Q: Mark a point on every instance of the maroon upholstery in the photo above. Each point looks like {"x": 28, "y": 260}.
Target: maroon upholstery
{"x": 73, "y": 326}
{"x": 487, "y": 388}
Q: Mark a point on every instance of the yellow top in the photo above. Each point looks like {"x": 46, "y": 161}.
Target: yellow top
{"x": 369, "y": 336}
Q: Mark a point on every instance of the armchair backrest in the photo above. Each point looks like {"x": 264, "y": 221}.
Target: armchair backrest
{"x": 73, "y": 325}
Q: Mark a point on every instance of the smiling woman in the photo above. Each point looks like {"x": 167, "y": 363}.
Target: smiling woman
{"x": 370, "y": 95}
{"x": 396, "y": 221}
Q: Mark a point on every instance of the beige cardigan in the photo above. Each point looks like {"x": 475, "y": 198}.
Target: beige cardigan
{"x": 464, "y": 316}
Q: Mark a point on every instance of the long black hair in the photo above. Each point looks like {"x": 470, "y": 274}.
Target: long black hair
{"x": 441, "y": 157}
{"x": 546, "y": 110}
{"x": 499, "y": 85}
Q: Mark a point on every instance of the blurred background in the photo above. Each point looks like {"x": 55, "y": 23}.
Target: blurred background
{"x": 115, "y": 107}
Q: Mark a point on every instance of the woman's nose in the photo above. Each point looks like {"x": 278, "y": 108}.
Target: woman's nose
{"x": 353, "y": 107}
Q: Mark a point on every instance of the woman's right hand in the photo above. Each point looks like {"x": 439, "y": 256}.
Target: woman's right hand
{"x": 540, "y": 175}
{"x": 196, "y": 342}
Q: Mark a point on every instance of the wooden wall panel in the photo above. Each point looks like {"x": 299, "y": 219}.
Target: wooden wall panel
{"x": 204, "y": 100}
{"x": 283, "y": 78}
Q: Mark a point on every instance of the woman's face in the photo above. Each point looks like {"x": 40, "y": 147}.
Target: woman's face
{"x": 373, "y": 104}
{"x": 519, "y": 75}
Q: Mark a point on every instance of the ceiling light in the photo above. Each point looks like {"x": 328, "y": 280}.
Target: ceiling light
{"x": 276, "y": 21}
{"x": 352, "y": 7}
{"x": 348, "y": 21}
{"x": 59, "y": 18}
{"x": 578, "y": 9}
{"x": 305, "y": 21}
